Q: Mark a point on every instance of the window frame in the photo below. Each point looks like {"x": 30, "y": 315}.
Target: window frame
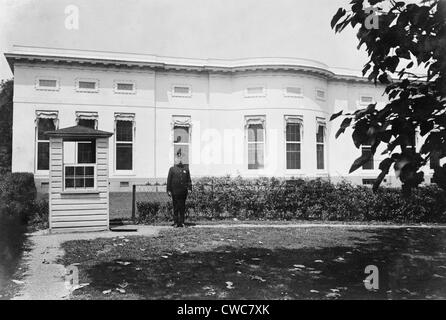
{"x": 293, "y": 95}
{"x": 181, "y": 95}
{"x": 119, "y": 91}
{"x": 320, "y": 123}
{"x": 372, "y": 160}
{"x": 324, "y": 98}
{"x": 365, "y": 104}
{"x": 55, "y": 119}
{"x": 43, "y": 88}
{"x": 254, "y": 119}
{"x": 188, "y": 144}
{"x": 83, "y": 189}
{"x": 293, "y": 119}
{"x": 255, "y": 95}
{"x": 87, "y": 90}
{"x": 132, "y": 143}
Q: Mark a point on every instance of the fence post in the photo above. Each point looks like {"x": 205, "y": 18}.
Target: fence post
{"x": 133, "y": 202}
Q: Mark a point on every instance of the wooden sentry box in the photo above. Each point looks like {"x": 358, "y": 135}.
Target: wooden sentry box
{"x": 78, "y": 190}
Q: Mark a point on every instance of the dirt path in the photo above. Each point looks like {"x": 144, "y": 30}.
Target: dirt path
{"x": 44, "y": 278}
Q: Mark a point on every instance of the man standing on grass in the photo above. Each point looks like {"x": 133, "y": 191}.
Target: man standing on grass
{"x": 178, "y": 185}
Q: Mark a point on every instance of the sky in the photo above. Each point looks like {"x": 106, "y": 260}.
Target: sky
{"x": 224, "y": 29}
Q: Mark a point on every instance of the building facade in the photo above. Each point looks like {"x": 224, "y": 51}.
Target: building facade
{"x": 248, "y": 117}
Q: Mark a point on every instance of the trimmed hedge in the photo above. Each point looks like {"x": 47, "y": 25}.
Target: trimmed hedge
{"x": 274, "y": 199}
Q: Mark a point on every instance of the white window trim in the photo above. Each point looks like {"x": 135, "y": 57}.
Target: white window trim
{"x": 87, "y": 115}
{"x": 255, "y": 95}
{"x": 181, "y": 95}
{"x": 43, "y": 114}
{"x": 293, "y": 95}
{"x": 320, "y": 98}
{"x": 95, "y": 183}
{"x": 95, "y": 90}
{"x": 293, "y": 119}
{"x": 365, "y": 104}
{"x": 117, "y": 91}
{"x": 248, "y": 120}
{"x": 320, "y": 122}
{"x": 181, "y": 121}
{"x": 124, "y": 117}
{"x": 38, "y": 87}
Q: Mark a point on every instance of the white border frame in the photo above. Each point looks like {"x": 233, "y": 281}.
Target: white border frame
{"x": 181, "y": 95}
{"x": 95, "y": 90}
{"x": 117, "y": 91}
{"x": 40, "y": 88}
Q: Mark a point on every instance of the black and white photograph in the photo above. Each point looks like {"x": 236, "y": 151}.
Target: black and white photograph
{"x": 210, "y": 152}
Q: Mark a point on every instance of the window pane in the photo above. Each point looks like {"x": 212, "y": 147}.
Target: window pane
{"x": 86, "y": 152}
{"x": 255, "y": 133}
{"x": 87, "y": 85}
{"x": 124, "y": 156}
{"x": 320, "y": 156}
{"x": 89, "y": 183}
{"x": 47, "y": 83}
{"x": 43, "y": 156}
{"x": 43, "y": 126}
{"x": 181, "y": 90}
{"x": 90, "y": 123}
{"x": 89, "y": 171}
{"x": 255, "y": 156}
{"x": 369, "y": 164}
{"x": 181, "y": 135}
{"x": 69, "y": 183}
{"x": 124, "y": 130}
{"x": 320, "y": 134}
{"x": 79, "y": 171}
{"x": 125, "y": 86}
{"x": 184, "y": 150}
{"x": 69, "y": 171}
{"x": 292, "y": 132}
{"x": 293, "y": 156}
{"x": 79, "y": 182}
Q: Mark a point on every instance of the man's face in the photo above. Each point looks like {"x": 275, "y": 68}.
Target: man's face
{"x": 178, "y": 160}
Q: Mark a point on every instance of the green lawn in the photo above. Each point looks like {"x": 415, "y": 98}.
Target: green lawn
{"x": 262, "y": 263}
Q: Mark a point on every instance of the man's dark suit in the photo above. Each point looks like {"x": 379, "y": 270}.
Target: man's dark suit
{"x": 178, "y": 184}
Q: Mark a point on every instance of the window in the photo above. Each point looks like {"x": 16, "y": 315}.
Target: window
{"x": 320, "y": 94}
{"x": 181, "y": 91}
{"x": 124, "y": 86}
{"x": 293, "y": 137}
{"x": 87, "y": 85}
{"x": 181, "y": 137}
{"x": 43, "y": 142}
{"x": 293, "y": 91}
{"x": 255, "y": 91}
{"x": 256, "y": 142}
{"x": 320, "y": 147}
{"x": 366, "y": 100}
{"x": 87, "y": 119}
{"x": 79, "y": 164}
{"x": 47, "y": 83}
{"x": 367, "y": 151}
{"x": 124, "y": 144}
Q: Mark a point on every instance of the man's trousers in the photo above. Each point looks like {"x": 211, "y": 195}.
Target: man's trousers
{"x": 179, "y": 207}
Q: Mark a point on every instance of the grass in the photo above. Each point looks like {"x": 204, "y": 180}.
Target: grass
{"x": 262, "y": 263}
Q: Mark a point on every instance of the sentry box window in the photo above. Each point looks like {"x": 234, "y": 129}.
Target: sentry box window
{"x": 79, "y": 167}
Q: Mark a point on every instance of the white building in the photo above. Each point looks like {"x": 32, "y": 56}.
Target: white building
{"x": 247, "y": 117}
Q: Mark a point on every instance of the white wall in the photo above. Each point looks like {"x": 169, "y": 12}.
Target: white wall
{"x": 217, "y": 106}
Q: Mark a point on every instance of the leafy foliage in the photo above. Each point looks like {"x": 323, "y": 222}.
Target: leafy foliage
{"x": 273, "y": 199}
{"x": 410, "y": 37}
{"x": 6, "y": 96}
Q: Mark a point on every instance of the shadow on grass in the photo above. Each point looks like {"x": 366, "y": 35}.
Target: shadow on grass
{"x": 411, "y": 266}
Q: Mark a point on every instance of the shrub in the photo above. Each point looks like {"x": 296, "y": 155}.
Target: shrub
{"x": 271, "y": 198}
{"x": 17, "y": 193}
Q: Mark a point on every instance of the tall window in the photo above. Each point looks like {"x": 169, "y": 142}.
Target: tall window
{"x": 43, "y": 142}
{"x": 256, "y": 143}
{"x": 320, "y": 147}
{"x": 76, "y": 174}
{"x": 86, "y": 150}
{"x": 293, "y": 143}
{"x": 181, "y": 142}
{"x": 124, "y": 145}
{"x": 367, "y": 151}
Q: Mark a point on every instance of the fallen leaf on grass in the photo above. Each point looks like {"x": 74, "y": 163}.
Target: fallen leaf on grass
{"x": 332, "y": 295}
{"x": 438, "y": 276}
{"x": 165, "y": 257}
{"x": 314, "y": 291}
{"x": 239, "y": 272}
{"x": 339, "y": 259}
{"x": 120, "y": 290}
{"x": 239, "y": 262}
{"x": 318, "y": 261}
{"x": 18, "y": 281}
{"x": 300, "y": 266}
{"x": 229, "y": 285}
{"x": 315, "y": 272}
{"x": 258, "y": 278}
{"x": 124, "y": 263}
{"x": 106, "y": 291}
{"x": 79, "y": 286}
{"x": 256, "y": 259}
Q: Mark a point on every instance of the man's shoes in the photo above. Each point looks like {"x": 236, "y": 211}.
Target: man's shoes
{"x": 174, "y": 224}
{"x": 181, "y": 225}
